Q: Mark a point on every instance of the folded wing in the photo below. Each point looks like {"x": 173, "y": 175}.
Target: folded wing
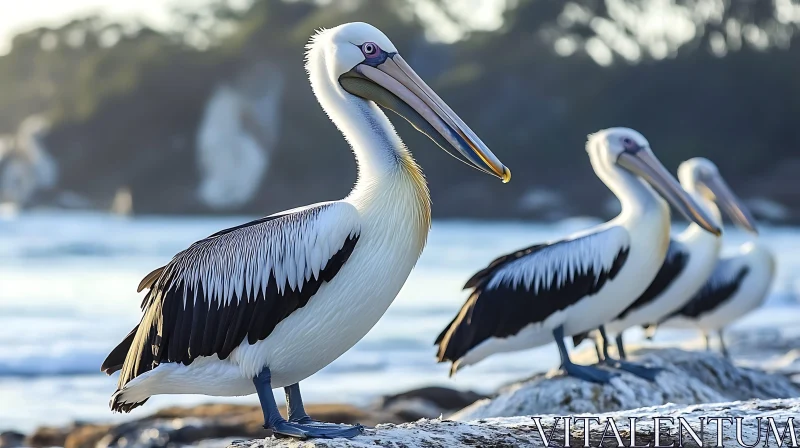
{"x": 235, "y": 286}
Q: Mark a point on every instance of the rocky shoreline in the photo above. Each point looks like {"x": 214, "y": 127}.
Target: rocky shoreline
{"x": 188, "y": 426}
{"x": 442, "y": 417}
{"x": 510, "y": 432}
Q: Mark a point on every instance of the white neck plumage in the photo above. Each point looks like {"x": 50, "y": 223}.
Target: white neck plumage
{"x": 371, "y": 136}
{"x": 389, "y": 180}
{"x": 638, "y": 199}
{"x": 700, "y": 241}
{"x": 644, "y": 215}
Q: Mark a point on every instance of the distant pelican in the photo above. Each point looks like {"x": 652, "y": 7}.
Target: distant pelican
{"x": 268, "y": 303}
{"x": 526, "y": 298}
{"x": 691, "y": 256}
{"x": 739, "y": 284}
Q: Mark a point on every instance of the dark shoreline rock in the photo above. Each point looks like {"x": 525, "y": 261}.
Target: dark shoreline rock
{"x": 11, "y": 439}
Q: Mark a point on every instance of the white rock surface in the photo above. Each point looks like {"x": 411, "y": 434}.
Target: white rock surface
{"x": 240, "y": 127}
{"x": 26, "y": 166}
{"x": 522, "y": 431}
{"x": 688, "y": 378}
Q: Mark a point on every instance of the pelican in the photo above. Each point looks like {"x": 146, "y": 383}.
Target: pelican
{"x": 270, "y": 302}
{"x": 690, "y": 259}
{"x": 738, "y": 285}
{"x": 525, "y": 298}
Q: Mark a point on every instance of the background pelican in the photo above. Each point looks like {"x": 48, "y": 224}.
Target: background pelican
{"x": 691, "y": 256}
{"x": 738, "y": 285}
{"x": 270, "y": 302}
{"x": 523, "y": 299}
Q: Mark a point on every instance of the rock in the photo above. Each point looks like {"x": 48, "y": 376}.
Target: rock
{"x": 26, "y": 167}
{"x": 523, "y": 431}
{"x": 122, "y": 204}
{"x": 427, "y": 402}
{"x": 237, "y": 135}
{"x": 688, "y": 378}
{"x": 46, "y": 436}
{"x": 216, "y": 422}
{"x": 86, "y": 436}
{"x": 773, "y": 350}
{"x": 11, "y": 439}
{"x": 206, "y": 410}
{"x": 336, "y": 413}
{"x": 412, "y": 409}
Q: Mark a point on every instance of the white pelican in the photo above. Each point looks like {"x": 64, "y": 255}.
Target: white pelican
{"x": 690, "y": 259}
{"x": 739, "y": 284}
{"x": 268, "y": 303}
{"x": 526, "y": 298}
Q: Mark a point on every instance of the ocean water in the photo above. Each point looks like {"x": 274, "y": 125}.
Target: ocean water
{"x": 68, "y": 295}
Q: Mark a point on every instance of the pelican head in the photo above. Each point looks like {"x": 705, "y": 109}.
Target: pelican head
{"x": 628, "y": 149}
{"x": 363, "y": 62}
{"x": 701, "y": 175}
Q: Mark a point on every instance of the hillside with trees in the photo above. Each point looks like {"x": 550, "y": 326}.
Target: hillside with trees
{"x": 133, "y": 108}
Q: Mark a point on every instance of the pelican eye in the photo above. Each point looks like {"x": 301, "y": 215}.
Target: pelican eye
{"x": 370, "y": 49}
{"x": 629, "y": 144}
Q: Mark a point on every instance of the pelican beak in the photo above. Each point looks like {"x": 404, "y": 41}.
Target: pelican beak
{"x": 730, "y": 204}
{"x": 644, "y": 164}
{"x": 393, "y": 85}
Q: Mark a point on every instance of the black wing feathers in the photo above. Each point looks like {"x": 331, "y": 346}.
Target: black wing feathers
{"x": 712, "y": 294}
{"x": 116, "y": 358}
{"x": 498, "y": 262}
{"x": 503, "y": 311}
{"x": 672, "y": 267}
{"x": 202, "y": 328}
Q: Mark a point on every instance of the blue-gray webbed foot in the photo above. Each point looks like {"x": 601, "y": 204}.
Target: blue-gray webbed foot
{"x": 298, "y": 417}
{"x": 282, "y": 428}
{"x": 589, "y": 373}
{"x": 635, "y": 369}
{"x": 648, "y": 373}
{"x": 317, "y": 431}
{"x": 586, "y": 373}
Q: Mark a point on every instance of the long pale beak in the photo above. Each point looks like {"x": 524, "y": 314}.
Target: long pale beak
{"x": 730, "y": 204}
{"x": 644, "y": 164}
{"x": 395, "y": 86}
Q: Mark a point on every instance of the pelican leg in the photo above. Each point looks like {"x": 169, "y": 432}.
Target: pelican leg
{"x": 650, "y": 331}
{"x": 280, "y": 427}
{"x": 294, "y": 405}
{"x": 604, "y": 341}
{"x": 297, "y": 412}
{"x": 708, "y": 341}
{"x": 647, "y": 373}
{"x": 598, "y": 350}
{"x": 586, "y": 373}
{"x": 722, "y": 346}
{"x": 621, "y": 346}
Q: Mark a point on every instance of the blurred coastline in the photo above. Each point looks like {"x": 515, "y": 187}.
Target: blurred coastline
{"x": 215, "y": 116}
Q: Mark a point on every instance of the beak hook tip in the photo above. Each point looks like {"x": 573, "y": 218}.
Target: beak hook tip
{"x": 506, "y": 177}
